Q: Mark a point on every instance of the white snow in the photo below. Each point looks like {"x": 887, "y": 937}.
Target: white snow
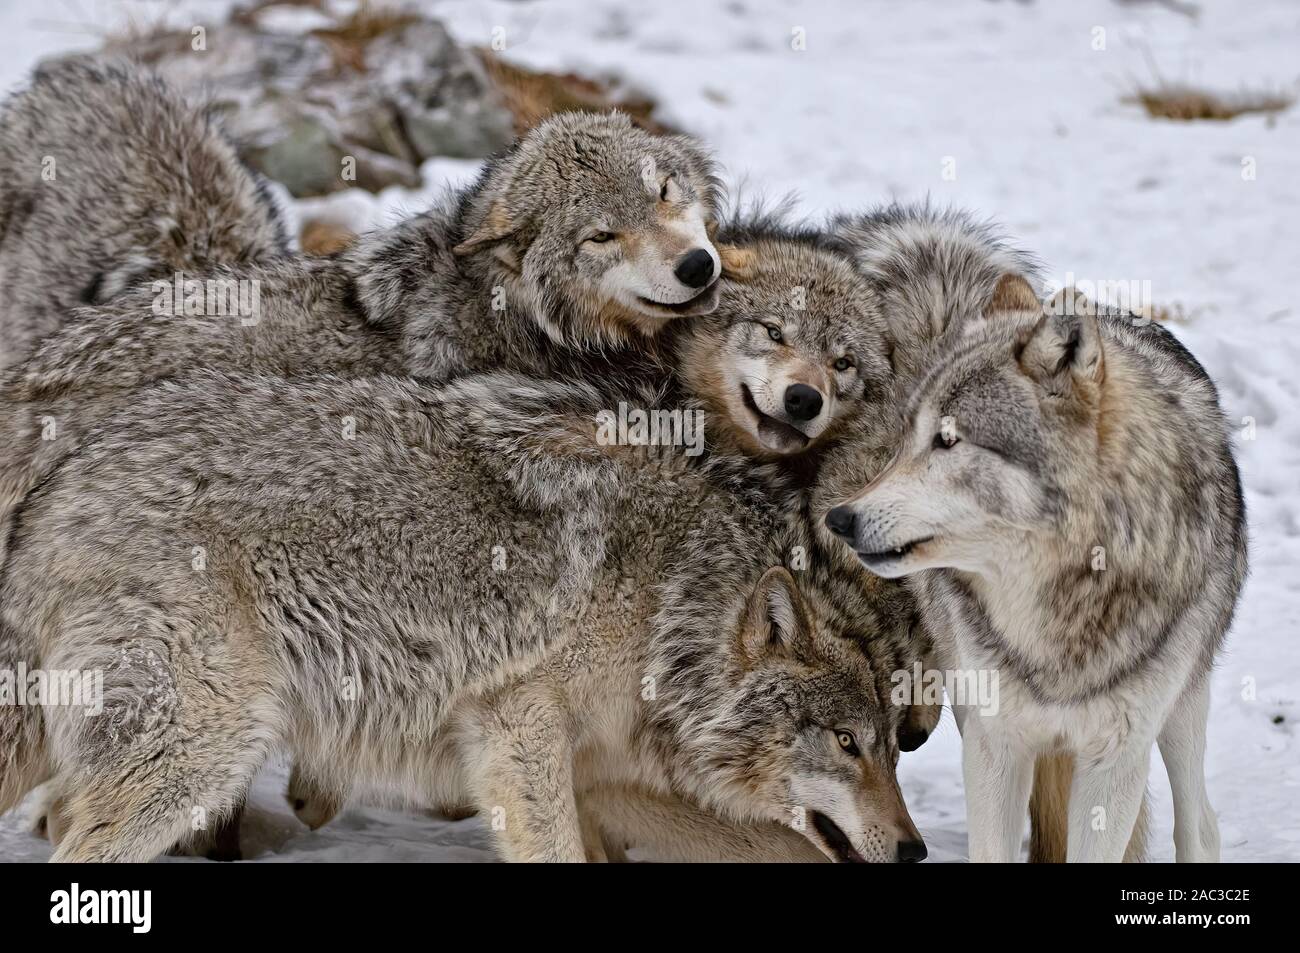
{"x": 1016, "y": 98}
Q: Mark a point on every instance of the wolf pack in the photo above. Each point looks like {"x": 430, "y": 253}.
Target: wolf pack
{"x": 376, "y": 525}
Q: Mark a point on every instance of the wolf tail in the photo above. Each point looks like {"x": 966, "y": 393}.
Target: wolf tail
{"x": 1049, "y": 818}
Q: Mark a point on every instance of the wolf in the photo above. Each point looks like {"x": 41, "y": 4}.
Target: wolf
{"x": 932, "y": 269}
{"x": 796, "y": 351}
{"x": 794, "y": 315}
{"x": 784, "y": 364}
{"x": 590, "y": 234}
{"x": 515, "y": 272}
{"x": 311, "y": 323}
{"x": 113, "y": 179}
{"x": 407, "y": 585}
{"x": 1067, "y": 500}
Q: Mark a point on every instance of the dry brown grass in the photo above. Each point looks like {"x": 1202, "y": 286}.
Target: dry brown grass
{"x": 1174, "y": 313}
{"x": 1189, "y": 104}
{"x": 349, "y": 40}
{"x": 531, "y": 96}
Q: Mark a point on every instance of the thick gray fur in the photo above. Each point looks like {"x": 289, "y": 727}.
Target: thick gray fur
{"x": 111, "y": 179}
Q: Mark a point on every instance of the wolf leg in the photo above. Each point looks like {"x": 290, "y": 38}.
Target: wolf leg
{"x": 520, "y": 766}
{"x": 1049, "y": 808}
{"x": 315, "y": 801}
{"x": 601, "y": 847}
{"x": 1105, "y": 800}
{"x": 1182, "y": 746}
{"x": 998, "y": 773}
{"x": 1049, "y": 824}
{"x": 157, "y": 797}
{"x": 673, "y": 830}
{"x": 172, "y": 751}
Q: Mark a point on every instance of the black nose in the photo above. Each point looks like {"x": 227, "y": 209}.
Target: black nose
{"x": 912, "y": 851}
{"x": 695, "y": 270}
{"x": 842, "y": 521}
{"x": 909, "y": 739}
{"x": 802, "y": 402}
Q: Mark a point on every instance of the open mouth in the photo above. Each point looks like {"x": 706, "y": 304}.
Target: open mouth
{"x": 702, "y": 303}
{"x": 773, "y": 434}
{"x": 835, "y": 840}
{"x": 892, "y": 555}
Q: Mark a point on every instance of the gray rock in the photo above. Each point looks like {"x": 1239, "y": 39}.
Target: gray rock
{"x": 299, "y": 106}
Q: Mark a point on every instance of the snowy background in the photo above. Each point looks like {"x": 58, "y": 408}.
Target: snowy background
{"x": 886, "y": 96}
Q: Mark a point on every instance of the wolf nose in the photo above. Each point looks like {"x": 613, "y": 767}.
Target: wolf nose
{"x": 909, "y": 739}
{"x": 802, "y": 402}
{"x": 842, "y": 521}
{"x": 912, "y": 851}
{"x": 695, "y": 270}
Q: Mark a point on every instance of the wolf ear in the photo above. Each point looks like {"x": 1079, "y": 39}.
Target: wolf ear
{"x": 1061, "y": 349}
{"x": 1070, "y": 300}
{"x": 775, "y": 617}
{"x": 495, "y": 227}
{"x": 737, "y": 263}
{"x": 1012, "y": 294}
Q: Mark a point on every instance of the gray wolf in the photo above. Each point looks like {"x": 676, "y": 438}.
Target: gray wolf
{"x": 516, "y": 273}
{"x": 589, "y": 235}
{"x": 112, "y": 179}
{"x": 408, "y": 586}
{"x": 1067, "y": 500}
{"x": 793, "y": 316}
{"x": 794, "y": 351}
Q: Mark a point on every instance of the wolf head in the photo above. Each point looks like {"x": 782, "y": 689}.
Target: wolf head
{"x": 796, "y": 348}
{"x": 602, "y": 227}
{"x": 930, "y": 268}
{"x": 1001, "y": 432}
{"x": 800, "y": 733}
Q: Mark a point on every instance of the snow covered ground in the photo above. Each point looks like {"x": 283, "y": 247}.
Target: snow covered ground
{"x": 1007, "y": 108}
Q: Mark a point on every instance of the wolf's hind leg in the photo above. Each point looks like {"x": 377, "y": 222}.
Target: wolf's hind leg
{"x": 519, "y": 761}
{"x": 156, "y": 794}
{"x": 1049, "y": 807}
{"x": 179, "y": 737}
{"x": 1182, "y": 746}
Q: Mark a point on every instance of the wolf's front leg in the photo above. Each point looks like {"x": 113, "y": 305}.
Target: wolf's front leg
{"x": 1182, "y": 745}
{"x": 675, "y": 831}
{"x": 1104, "y": 802}
{"x": 519, "y": 759}
{"x": 997, "y": 771}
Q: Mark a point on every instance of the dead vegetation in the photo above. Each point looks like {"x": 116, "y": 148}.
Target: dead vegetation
{"x": 1183, "y": 103}
{"x": 353, "y": 34}
{"x": 1174, "y": 313}
{"x": 531, "y": 95}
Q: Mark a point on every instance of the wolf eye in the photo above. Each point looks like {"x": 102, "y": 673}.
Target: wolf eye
{"x": 843, "y": 364}
{"x": 774, "y": 333}
{"x": 601, "y": 237}
{"x": 847, "y": 742}
{"x": 664, "y": 190}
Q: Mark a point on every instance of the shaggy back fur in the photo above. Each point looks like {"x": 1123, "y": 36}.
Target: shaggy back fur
{"x": 111, "y": 179}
